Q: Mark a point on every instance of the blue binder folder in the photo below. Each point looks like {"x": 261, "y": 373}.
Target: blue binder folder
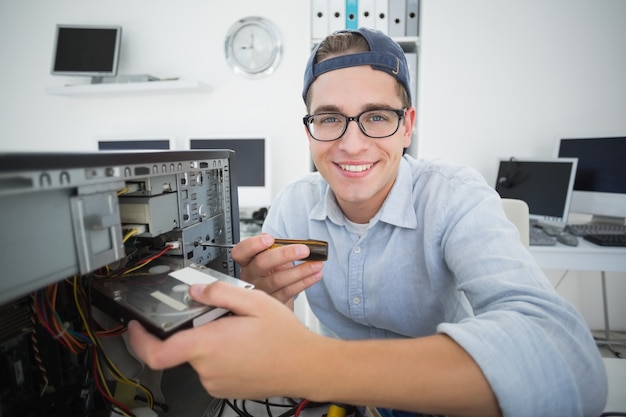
{"x": 352, "y": 14}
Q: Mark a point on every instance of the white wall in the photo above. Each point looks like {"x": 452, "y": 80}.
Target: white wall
{"x": 163, "y": 38}
{"x": 508, "y": 78}
{"x": 496, "y": 79}
{"x": 500, "y": 79}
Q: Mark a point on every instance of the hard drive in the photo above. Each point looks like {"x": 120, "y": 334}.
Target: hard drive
{"x": 159, "y": 299}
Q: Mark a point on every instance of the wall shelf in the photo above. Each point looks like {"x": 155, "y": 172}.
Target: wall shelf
{"x": 408, "y": 43}
{"x": 147, "y": 87}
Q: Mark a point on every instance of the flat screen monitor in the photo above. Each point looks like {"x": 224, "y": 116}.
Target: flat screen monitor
{"x": 600, "y": 185}
{"x": 252, "y": 166}
{"x": 134, "y": 144}
{"x": 544, "y": 184}
{"x": 91, "y": 51}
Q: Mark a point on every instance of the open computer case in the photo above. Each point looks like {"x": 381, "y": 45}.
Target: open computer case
{"x": 74, "y": 221}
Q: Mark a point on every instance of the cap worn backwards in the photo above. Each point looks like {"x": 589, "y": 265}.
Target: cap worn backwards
{"x": 384, "y": 55}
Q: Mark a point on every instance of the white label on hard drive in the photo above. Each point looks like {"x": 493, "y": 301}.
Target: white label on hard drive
{"x": 192, "y": 276}
{"x": 166, "y": 299}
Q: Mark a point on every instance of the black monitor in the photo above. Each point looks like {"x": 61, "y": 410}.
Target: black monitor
{"x": 134, "y": 144}
{"x": 91, "y": 51}
{"x": 252, "y": 166}
{"x": 544, "y": 184}
{"x": 600, "y": 185}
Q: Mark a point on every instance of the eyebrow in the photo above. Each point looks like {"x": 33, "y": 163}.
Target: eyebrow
{"x": 330, "y": 108}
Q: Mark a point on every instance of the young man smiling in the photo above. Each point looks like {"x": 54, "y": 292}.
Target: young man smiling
{"x": 428, "y": 301}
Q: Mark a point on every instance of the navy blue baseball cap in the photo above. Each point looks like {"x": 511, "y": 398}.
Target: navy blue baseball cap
{"x": 384, "y": 55}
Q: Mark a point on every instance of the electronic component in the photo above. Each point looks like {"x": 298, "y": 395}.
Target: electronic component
{"x": 101, "y": 230}
{"x": 159, "y": 298}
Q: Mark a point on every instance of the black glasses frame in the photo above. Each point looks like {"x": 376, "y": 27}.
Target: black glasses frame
{"x": 307, "y": 122}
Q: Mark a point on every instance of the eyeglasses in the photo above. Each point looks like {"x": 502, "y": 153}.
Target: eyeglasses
{"x": 378, "y": 124}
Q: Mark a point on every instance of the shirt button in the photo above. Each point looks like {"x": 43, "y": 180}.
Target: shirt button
{"x": 357, "y": 249}
{"x": 356, "y": 300}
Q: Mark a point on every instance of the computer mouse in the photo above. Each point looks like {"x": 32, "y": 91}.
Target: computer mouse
{"x": 567, "y": 239}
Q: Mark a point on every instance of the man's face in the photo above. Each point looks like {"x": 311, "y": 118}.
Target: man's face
{"x": 359, "y": 169}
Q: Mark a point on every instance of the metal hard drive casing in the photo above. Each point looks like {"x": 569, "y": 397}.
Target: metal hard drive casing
{"x": 159, "y": 299}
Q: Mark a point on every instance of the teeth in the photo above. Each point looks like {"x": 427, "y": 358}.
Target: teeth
{"x": 356, "y": 168}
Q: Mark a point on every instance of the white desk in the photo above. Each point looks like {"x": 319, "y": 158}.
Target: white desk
{"x": 584, "y": 257}
{"x": 616, "y": 374}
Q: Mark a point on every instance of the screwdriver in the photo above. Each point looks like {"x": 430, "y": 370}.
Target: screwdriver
{"x": 318, "y": 248}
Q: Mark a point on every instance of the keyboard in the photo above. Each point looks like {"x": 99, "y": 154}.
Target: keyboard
{"x": 538, "y": 237}
{"x": 607, "y": 239}
{"x": 596, "y": 229}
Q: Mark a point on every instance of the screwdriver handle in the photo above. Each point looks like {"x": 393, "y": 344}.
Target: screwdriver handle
{"x": 318, "y": 248}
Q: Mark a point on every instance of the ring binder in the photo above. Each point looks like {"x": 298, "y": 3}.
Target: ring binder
{"x": 397, "y": 13}
{"x": 381, "y": 8}
{"x": 412, "y": 17}
{"x": 319, "y": 18}
{"x": 337, "y": 9}
{"x": 352, "y": 14}
{"x": 367, "y": 14}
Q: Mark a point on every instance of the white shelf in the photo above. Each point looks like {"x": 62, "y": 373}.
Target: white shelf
{"x": 408, "y": 43}
{"x": 147, "y": 87}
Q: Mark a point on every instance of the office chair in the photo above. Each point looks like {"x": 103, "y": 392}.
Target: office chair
{"x": 517, "y": 212}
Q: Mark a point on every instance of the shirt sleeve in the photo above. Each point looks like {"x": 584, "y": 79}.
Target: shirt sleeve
{"x": 532, "y": 345}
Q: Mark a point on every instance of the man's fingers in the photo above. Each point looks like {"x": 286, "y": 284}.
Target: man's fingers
{"x": 245, "y": 251}
{"x": 155, "y": 352}
{"x": 221, "y": 294}
{"x": 179, "y": 347}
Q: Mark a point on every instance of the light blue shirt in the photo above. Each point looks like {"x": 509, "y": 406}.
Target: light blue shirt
{"x": 441, "y": 257}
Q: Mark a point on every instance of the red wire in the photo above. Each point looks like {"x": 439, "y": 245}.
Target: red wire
{"x": 42, "y": 319}
{"x": 300, "y": 408}
{"x": 101, "y": 390}
{"x": 149, "y": 259}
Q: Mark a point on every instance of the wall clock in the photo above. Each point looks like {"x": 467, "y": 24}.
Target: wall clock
{"x": 253, "y": 47}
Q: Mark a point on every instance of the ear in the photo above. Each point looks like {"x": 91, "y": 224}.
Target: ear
{"x": 408, "y": 125}
{"x": 308, "y": 135}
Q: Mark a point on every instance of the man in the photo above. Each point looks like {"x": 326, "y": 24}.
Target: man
{"x": 428, "y": 301}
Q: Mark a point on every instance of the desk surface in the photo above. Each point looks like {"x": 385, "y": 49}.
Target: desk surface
{"x": 616, "y": 375}
{"x": 584, "y": 257}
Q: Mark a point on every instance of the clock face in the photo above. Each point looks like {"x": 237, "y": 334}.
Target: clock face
{"x": 253, "y": 47}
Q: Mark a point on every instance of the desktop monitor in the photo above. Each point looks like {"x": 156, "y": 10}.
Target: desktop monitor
{"x": 91, "y": 51}
{"x": 600, "y": 185}
{"x": 544, "y": 184}
{"x": 252, "y": 166}
{"x": 134, "y": 144}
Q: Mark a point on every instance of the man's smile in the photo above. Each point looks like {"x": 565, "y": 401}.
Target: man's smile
{"x": 355, "y": 168}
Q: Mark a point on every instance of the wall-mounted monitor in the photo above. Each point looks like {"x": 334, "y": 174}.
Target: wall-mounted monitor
{"x": 89, "y": 51}
{"x": 600, "y": 185}
{"x": 252, "y": 166}
{"x": 544, "y": 184}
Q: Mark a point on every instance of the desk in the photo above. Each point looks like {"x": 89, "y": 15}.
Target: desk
{"x": 616, "y": 375}
{"x": 585, "y": 257}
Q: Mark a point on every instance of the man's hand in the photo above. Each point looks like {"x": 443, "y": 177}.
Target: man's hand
{"x": 273, "y": 271}
{"x": 234, "y": 356}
